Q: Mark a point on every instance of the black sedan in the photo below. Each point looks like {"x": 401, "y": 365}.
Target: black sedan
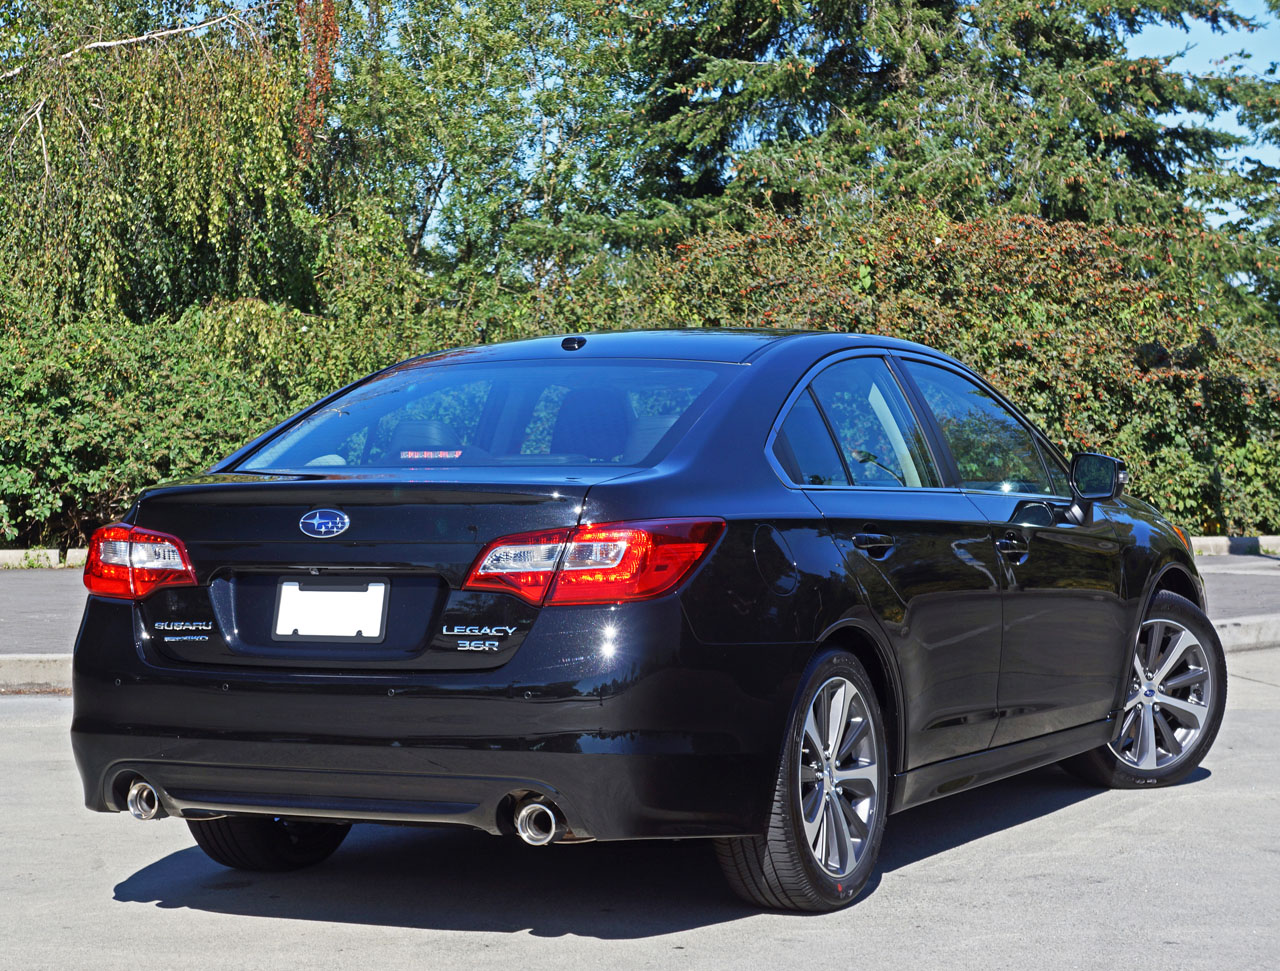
{"x": 763, "y": 588}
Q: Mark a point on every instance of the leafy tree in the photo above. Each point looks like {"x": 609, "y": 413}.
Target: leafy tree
{"x": 493, "y": 136}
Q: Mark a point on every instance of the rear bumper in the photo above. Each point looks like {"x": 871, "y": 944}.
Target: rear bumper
{"x": 656, "y": 736}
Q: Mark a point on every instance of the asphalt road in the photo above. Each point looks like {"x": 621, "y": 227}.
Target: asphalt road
{"x": 1033, "y": 872}
{"x": 40, "y": 609}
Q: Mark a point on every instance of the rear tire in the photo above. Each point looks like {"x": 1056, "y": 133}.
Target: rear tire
{"x": 830, "y": 798}
{"x": 1174, "y": 704}
{"x": 267, "y": 842}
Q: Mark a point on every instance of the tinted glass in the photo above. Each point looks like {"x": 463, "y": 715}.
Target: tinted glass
{"x": 1059, "y": 478}
{"x": 877, "y": 433}
{"x": 994, "y": 451}
{"x": 805, "y": 449}
{"x": 517, "y": 413}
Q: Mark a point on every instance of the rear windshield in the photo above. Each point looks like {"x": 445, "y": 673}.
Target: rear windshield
{"x": 518, "y": 413}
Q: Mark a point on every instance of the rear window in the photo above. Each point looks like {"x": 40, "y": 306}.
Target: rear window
{"x": 593, "y": 412}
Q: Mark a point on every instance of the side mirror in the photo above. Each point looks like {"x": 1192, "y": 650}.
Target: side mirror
{"x": 1097, "y": 477}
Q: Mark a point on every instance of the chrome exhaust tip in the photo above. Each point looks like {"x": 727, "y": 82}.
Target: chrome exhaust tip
{"x": 539, "y": 823}
{"x": 143, "y": 800}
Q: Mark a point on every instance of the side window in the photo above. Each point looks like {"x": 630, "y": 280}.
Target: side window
{"x": 878, "y": 436}
{"x": 993, "y": 449}
{"x": 804, "y": 447}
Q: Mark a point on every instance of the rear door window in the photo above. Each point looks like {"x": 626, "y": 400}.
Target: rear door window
{"x": 994, "y": 451}
{"x": 879, "y": 438}
{"x": 625, "y": 413}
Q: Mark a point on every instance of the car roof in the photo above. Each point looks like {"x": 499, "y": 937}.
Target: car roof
{"x": 728, "y": 345}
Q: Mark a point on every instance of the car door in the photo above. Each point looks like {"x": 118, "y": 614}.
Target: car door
{"x": 1060, "y": 563}
{"x": 920, "y": 556}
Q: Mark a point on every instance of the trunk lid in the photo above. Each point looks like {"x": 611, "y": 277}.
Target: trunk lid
{"x": 408, "y": 544}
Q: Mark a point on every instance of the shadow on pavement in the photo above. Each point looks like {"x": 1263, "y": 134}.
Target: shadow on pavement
{"x": 461, "y": 880}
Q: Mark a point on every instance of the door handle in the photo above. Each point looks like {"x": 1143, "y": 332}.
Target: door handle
{"x": 873, "y": 541}
{"x": 1013, "y": 544}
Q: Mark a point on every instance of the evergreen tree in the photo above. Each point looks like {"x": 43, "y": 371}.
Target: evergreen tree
{"x": 1033, "y": 107}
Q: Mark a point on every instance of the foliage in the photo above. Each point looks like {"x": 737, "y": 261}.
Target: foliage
{"x": 1103, "y": 356}
{"x": 213, "y": 212}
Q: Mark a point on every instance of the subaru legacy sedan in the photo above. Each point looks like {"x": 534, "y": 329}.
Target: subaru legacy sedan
{"x": 763, "y": 588}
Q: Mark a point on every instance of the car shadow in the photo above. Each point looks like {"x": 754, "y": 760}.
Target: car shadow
{"x": 446, "y": 879}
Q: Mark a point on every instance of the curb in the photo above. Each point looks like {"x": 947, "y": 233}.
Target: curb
{"x": 35, "y": 673}
{"x": 1249, "y": 633}
{"x": 1239, "y": 545}
{"x": 51, "y": 673}
{"x": 40, "y": 559}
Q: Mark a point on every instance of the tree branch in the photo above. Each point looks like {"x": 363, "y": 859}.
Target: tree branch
{"x": 234, "y": 15}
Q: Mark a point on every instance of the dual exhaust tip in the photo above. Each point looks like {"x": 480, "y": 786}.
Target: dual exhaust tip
{"x": 539, "y": 822}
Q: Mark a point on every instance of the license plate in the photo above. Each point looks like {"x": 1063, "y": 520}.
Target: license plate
{"x": 348, "y": 610}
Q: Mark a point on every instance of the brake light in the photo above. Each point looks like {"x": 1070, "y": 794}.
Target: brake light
{"x": 129, "y": 562}
{"x": 603, "y": 563}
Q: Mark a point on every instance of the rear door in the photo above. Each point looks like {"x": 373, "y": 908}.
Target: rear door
{"x": 920, "y": 556}
{"x": 1060, "y": 568}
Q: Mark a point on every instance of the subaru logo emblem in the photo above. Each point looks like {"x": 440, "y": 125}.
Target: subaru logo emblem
{"x": 323, "y": 523}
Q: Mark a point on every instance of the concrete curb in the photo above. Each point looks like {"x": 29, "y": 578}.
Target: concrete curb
{"x": 35, "y": 673}
{"x": 51, "y": 673}
{"x": 1240, "y": 545}
{"x": 1249, "y": 633}
{"x": 40, "y": 559}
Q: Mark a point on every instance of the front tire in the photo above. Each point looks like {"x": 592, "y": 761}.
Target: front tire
{"x": 1174, "y": 704}
{"x": 830, "y": 798}
{"x": 267, "y": 842}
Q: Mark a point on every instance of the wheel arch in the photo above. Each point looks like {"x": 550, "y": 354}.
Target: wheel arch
{"x": 1175, "y": 578}
{"x": 867, "y": 646}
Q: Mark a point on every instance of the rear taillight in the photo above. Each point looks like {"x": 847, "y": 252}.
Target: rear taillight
{"x": 129, "y": 562}
{"x": 523, "y": 564}
{"x": 603, "y": 563}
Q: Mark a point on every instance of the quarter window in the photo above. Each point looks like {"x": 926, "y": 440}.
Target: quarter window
{"x": 804, "y": 447}
{"x": 994, "y": 451}
{"x": 879, "y": 438}
{"x": 1058, "y": 477}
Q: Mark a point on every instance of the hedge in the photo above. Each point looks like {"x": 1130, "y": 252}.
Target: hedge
{"x": 1106, "y": 350}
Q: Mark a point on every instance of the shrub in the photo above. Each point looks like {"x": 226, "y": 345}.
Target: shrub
{"x": 1071, "y": 321}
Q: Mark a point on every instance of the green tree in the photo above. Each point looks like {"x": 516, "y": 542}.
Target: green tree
{"x": 1032, "y": 107}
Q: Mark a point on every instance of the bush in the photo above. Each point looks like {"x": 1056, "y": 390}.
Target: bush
{"x": 96, "y": 411}
{"x": 1070, "y": 321}
{"x": 1073, "y": 322}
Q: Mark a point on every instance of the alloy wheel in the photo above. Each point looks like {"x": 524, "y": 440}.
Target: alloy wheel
{"x": 838, "y": 776}
{"x": 1169, "y": 696}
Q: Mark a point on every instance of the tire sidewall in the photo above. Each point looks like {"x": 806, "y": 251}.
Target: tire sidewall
{"x": 835, "y": 892}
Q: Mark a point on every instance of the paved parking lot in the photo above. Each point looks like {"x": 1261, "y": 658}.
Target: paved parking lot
{"x": 1034, "y": 872}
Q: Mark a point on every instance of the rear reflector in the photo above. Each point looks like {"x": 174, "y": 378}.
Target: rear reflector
{"x": 604, "y": 563}
{"x": 129, "y": 562}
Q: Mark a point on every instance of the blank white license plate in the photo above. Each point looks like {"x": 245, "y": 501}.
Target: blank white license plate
{"x": 328, "y": 611}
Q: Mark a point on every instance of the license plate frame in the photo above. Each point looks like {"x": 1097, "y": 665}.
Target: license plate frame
{"x": 331, "y": 610}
